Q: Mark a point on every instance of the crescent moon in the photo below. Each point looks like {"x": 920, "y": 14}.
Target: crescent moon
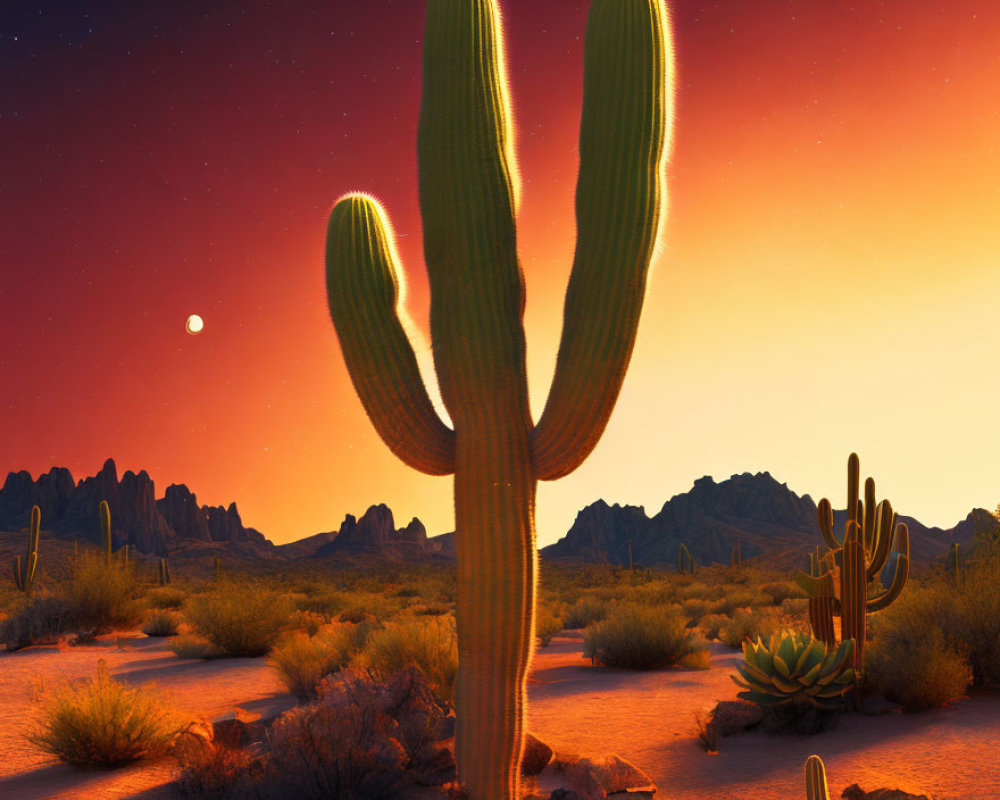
{"x": 194, "y": 324}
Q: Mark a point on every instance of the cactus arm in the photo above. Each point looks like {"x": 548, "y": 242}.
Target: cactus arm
{"x": 18, "y": 578}
{"x": 363, "y": 295}
{"x": 883, "y": 538}
{"x": 105, "y": 514}
{"x": 869, "y": 514}
{"x": 824, "y": 516}
{"x": 899, "y": 577}
{"x": 624, "y": 144}
{"x": 853, "y": 475}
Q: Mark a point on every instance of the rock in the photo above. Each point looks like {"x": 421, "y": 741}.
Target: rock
{"x": 434, "y": 765}
{"x": 855, "y": 792}
{"x": 732, "y": 716}
{"x": 876, "y": 705}
{"x": 611, "y": 774}
{"x": 566, "y": 794}
{"x": 179, "y": 507}
{"x": 536, "y": 756}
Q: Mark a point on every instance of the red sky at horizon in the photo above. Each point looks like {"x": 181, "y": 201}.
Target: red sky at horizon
{"x": 826, "y": 281}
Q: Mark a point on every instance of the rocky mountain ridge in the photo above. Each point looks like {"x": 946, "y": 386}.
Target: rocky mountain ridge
{"x": 138, "y": 519}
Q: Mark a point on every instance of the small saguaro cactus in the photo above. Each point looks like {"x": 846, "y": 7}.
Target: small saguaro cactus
{"x": 218, "y": 569}
{"x": 816, "y": 788}
{"x": 870, "y": 533}
{"x": 24, "y": 577}
{"x": 124, "y": 552}
{"x": 737, "y": 558}
{"x": 953, "y": 562}
{"x": 164, "y": 575}
{"x": 466, "y": 175}
{"x": 105, "y": 513}
{"x": 685, "y": 561}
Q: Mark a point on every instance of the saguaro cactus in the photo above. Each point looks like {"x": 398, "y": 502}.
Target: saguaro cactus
{"x": 816, "y": 788}
{"x": 106, "y": 531}
{"x": 953, "y": 562}
{"x": 218, "y": 569}
{"x": 164, "y": 573}
{"x": 870, "y": 533}
{"x": 736, "y": 561}
{"x": 685, "y": 561}
{"x": 467, "y": 202}
{"x": 25, "y": 578}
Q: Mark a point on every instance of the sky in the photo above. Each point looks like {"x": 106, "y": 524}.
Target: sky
{"x": 826, "y": 282}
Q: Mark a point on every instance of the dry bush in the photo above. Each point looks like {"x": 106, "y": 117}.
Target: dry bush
{"x": 916, "y": 667}
{"x": 742, "y": 598}
{"x": 306, "y": 621}
{"x": 779, "y": 591}
{"x": 189, "y": 646}
{"x": 166, "y": 597}
{"x": 748, "y": 625}
{"x": 302, "y": 661}
{"x": 241, "y": 620}
{"x": 547, "y": 624}
{"x": 694, "y": 609}
{"x": 161, "y": 623}
{"x": 32, "y": 620}
{"x": 977, "y": 624}
{"x": 327, "y": 604}
{"x": 101, "y": 597}
{"x": 104, "y": 723}
{"x": 585, "y": 611}
{"x": 711, "y": 624}
{"x": 430, "y": 644}
{"x": 639, "y": 637}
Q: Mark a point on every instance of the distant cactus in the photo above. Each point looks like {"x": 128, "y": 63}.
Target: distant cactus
{"x": 164, "y": 575}
{"x": 24, "y": 578}
{"x": 737, "y": 559}
{"x": 953, "y": 562}
{"x": 124, "y": 552}
{"x": 218, "y": 569}
{"x": 685, "y": 561}
{"x": 106, "y": 531}
{"x": 816, "y": 788}
{"x": 870, "y": 533}
{"x": 467, "y": 190}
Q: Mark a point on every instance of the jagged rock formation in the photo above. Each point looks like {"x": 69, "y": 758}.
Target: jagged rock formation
{"x": 764, "y": 516}
{"x": 375, "y": 533}
{"x": 137, "y": 517}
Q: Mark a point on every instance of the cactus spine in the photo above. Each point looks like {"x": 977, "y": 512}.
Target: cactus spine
{"x": 816, "y": 788}
{"x": 467, "y": 202}
{"x": 25, "y": 578}
{"x": 870, "y": 533}
{"x": 685, "y": 561}
{"x": 106, "y": 531}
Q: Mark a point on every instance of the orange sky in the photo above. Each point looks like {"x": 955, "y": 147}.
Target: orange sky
{"x": 826, "y": 281}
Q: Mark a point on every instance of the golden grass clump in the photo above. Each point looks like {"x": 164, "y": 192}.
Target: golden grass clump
{"x": 104, "y": 723}
{"x": 159, "y": 622}
{"x": 430, "y": 643}
{"x": 188, "y": 645}
{"x": 242, "y": 620}
{"x": 302, "y": 661}
{"x": 101, "y": 597}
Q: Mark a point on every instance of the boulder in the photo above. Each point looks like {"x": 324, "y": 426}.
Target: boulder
{"x": 855, "y": 792}
{"x": 732, "y": 716}
{"x": 536, "y": 756}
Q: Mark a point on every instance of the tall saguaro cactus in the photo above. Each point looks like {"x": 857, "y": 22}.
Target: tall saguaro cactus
{"x": 105, "y": 514}
{"x": 467, "y": 201}
{"x": 25, "y": 578}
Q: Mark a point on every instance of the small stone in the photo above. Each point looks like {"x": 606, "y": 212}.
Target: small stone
{"x": 733, "y": 716}
{"x": 612, "y": 774}
{"x": 536, "y": 756}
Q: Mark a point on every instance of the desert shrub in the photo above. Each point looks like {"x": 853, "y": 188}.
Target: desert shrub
{"x": 190, "y": 646}
{"x": 104, "y": 723}
{"x": 748, "y": 625}
{"x": 638, "y": 637}
{"x": 165, "y": 597}
{"x": 742, "y": 598}
{"x": 695, "y": 608}
{"x": 241, "y": 620}
{"x": 916, "y": 667}
{"x": 429, "y": 610}
{"x": 407, "y": 591}
{"x": 356, "y": 616}
{"x": 40, "y": 618}
{"x": 779, "y": 591}
{"x": 977, "y": 622}
{"x": 795, "y": 607}
{"x": 327, "y": 604}
{"x": 585, "y": 611}
{"x": 161, "y": 623}
{"x": 547, "y": 624}
{"x": 307, "y": 621}
{"x": 694, "y": 590}
{"x": 101, "y": 597}
{"x": 302, "y": 661}
{"x": 430, "y": 644}
{"x": 711, "y": 624}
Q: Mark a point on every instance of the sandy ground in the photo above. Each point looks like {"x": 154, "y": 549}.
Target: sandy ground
{"x": 647, "y": 718}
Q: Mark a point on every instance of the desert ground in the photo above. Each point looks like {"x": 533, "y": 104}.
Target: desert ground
{"x": 647, "y": 718}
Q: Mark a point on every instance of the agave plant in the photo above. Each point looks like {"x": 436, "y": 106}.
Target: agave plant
{"x": 794, "y": 668}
